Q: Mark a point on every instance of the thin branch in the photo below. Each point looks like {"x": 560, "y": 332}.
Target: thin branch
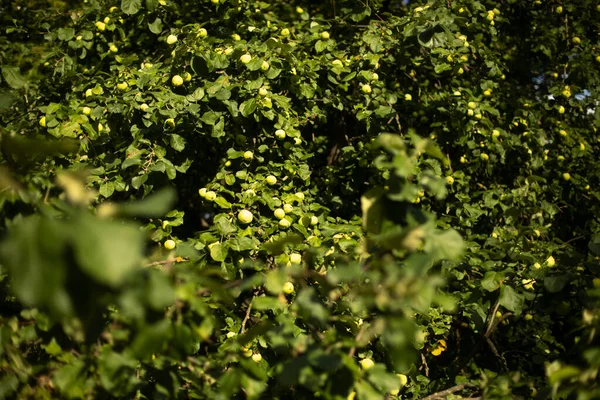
{"x": 448, "y": 391}
{"x": 424, "y": 361}
{"x": 247, "y": 317}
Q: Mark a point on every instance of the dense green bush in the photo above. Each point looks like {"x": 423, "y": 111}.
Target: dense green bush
{"x": 345, "y": 200}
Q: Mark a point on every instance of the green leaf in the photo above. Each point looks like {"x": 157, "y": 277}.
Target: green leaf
{"x": 511, "y": 300}
{"x": 248, "y": 107}
{"x": 177, "y": 142}
{"x": 156, "y": 27}
{"x": 154, "y": 205}
{"x": 492, "y": 280}
{"x": 13, "y": 77}
{"x": 109, "y": 250}
{"x": 131, "y": 6}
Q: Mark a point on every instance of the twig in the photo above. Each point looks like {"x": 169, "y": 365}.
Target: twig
{"x": 358, "y": 337}
{"x": 168, "y": 261}
{"x": 448, "y": 391}
{"x": 424, "y": 361}
{"x": 495, "y": 351}
{"x": 247, "y": 317}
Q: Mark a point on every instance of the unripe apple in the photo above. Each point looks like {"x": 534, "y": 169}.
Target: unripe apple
{"x": 325, "y": 35}
{"x": 89, "y": 93}
{"x": 408, "y": 97}
{"x": 366, "y": 88}
{"x": 86, "y": 110}
{"x": 375, "y": 76}
{"x": 210, "y": 195}
{"x": 472, "y": 105}
{"x": 495, "y": 133}
{"x": 284, "y": 223}
{"x": 528, "y": 317}
{"x": 288, "y": 208}
{"x": 246, "y": 58}
{"x": 279, "y": 213}
{"x": 449, "y": 180}
{"x": 487, "y": 93}
{"x": 202, "y": 32}
{"x": 267, "y": 102}
{"x": 169, "y": 244}
{"x": 256, "y": 357}
{"x": 236, "y": 37}
{"x": 170, "y": 122}
{"x": 576, "y": 40}
{"x": 100, "y": 127}
{"x": 245, "y": 217}
{"x": 537, "y": 265}
{"x": 295, "y": 258}
{"x": 271, "y": 180}
{"x": 288, "y": 288}
{"x": 177, "y": 80}
{"x": 264, "y": 66}
{"x": 470, "y": 113}
{"x": 263, "y": 92}
{"x": 561, "y": 110}
{"x": 550, "y": 261}
{"x": 337, "y": 63}
{"x": 280, "y": 134}
{"x": 246, "y": 352}
{"x": 113, "y": 9}
{"x": 230, "y": 334}
{"x": 122, "y": 86}
{"x": 559, "y": 10}
{"x": 113, "y": 48}
{"x": 300, "y": 196}
{"x": 566, "y": 176}
{"x": 484, "y": 156}
{"x": 314, "y": 220}
{"x": 144, "y": 107}
{"x": 248, "y": 155}
{"x": 101, "y": 26}
{"x": 171, "y": 39}
{"x": 285, "y": 32}
{"x": 562, "y": 132}
{"x": 187, "y": 76}
{"x": 42, "y": 121}
{"x": 366, "y": 363}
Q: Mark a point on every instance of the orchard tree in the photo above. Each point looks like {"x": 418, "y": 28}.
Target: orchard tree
{"x": 340, "y": 200}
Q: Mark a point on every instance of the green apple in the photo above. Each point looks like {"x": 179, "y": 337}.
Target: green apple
{"x": 484, "y": 156}
{"x": 271, "y": 180}
{"x": 236, "y": 37}
{"x": 408, "y": 97}
{"x": 267, "y": 102}
{"x": 295, "y": 258}
{"x": 280, "y": 134}
{"x": 366, "y": 363}
{"x": 559, "y": 10}
{"x": 89, "y": 93}
{"x": 263, "y": 92}
{"x": 288, "y": 288}
{"x": 471, "y": 105}
{"x": 528, "y": 317}
{"x": 177, "y": 80}
{"x": 42, "y": 121}
{"x": 246, "y": 352}
{"x": 285, "y": 32}
{"x": 245, "y": 216}
{"x": 561, "y": 110}
{"x": 113, "y": 48}
{"x": 264, "y": 66}
{"x": 300, "y": 196}
{"x": 449, "y": 180}
{"x": 366, "y": 88}
{"x": 562, "y": 132}
{"x": 165, "y": 224}
{"x": 122, "y": 86}
{"x": 487, "y": 93}
{"x": 101, "y": 26}
{"x": 375, "y": 76}
{"x": 86, "y": 110}
{"x": 246, "y": 58}
{"x": 256, "y": 357}
{"x": 299, "y": 10}
{"x": 566, "y": 176}
{"x": 210, "y": 195}
{"x": 169, "y": 244}
{"x": 550, "y": 261}
{"x": 495, "y": 133}
{"x": 288, "y": 208}
{"x": 170, "y": 122}
{"x": 279, "y": 213}
{"x": 457, "y": 93}
{"x": 576, "y": 40}
{"x": 202, "y": 32}
{"x": 171, "y": 39}
{"x": 144, "y": 107}
{"x": 187, "y": 76}
{"x": 248, "y": 155}
{"x": 314, "y": 220}
{"x": 337, "y": 63}
{"x": 284, "y": 223}
{"x": 537, "y": 265}
{"x": 325, "y": 35}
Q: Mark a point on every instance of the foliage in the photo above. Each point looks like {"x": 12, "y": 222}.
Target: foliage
{"x": 341, "y": 200}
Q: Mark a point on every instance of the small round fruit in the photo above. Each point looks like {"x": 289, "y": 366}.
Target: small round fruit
{"x": 169, "y": 244}
{"x": 366, "y": 88}
{"x": 256, "y": 357}
{"x": 271, "y": 180}
{"x": 177, "y": 80}
{"x": 187, "y": 76}
{"x": 279, "y": 213}
{"x": 537, "y": 265}
{"x": 566, "y": 176}
{"x": 210, "y": 195}
{"x": 284, "y": 223}
{"x": 288, "y": 288}
{"x": 263, "y": 92}
{"x": 101, "y": 26}
{"x": 561, "y": 110}
{"x": 337, "y": 63}
{"x": 280, "y": 134}
{"x": 449, "y": 180}
{"x": 300, "y": 196}
{"x": 113, "y": 48}
{"x": 236, "y": 37}
{"x": 366, "y": 363}
{"x": 42, "y": 121}
{"x": 267, "y": 102}
{"x": 171, "y": 39}
{"x": 246, "y": 58}
{"x": 408, "y": 97}
{"x": 165, "y": 224}
{"x": 403, "y": 379}
{"x": 86, "y": 110}
{"x": 245, "y": 217}
{"x": 472, "y": 105}
{"x": 314, "y": 220}
{"x": 288, "y": 208}
{"x": 170, "y": 122}
{"x": 144, "y": 107}
{"x": 285, "y": 32}
{"x": 246, "y": 352}
{"x": 375, "y": 76}
{"x": 202, "y": 32}
{"x": 550, "y": 261}
{"x": 495, "y": 133}
{"x": 325, "y": 35}
{"x": 296, "y": 258}
{"x": 487, "y": 93}
{"x": 122, "y": 86}
{"x": 264, "y": 66}
{"x": 248, "y": 155}
{"x": 484, "y": 156}
{"x": 559, "y": 10}
{"x": 299, "y": 10}
{"x": 230, "y": 334}
{"x": 528, "y": 317}
{"x": 89, "y": 93}
{"x": 576, "y": 40}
